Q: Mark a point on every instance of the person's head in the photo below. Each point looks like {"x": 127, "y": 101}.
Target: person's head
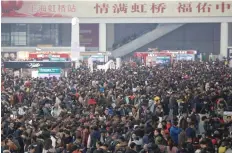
{"x": 11, "y": 125}
{"x": 203, "y": 143}
{"x": 67, "y": 133}
{"x": 164, "y": 123}
{"x": 204, "y": 118}
{"x": 32, "y": 149}
{"x": 157, "y": 100}
{"x": 175, "y": 123}
{"x": 163, "y": 132}
{"x": 132, "y": 146}
{"x": 122, "y": 139}
{"x": 170, "y": 143}
{"x": 157, "y": 132}
{"x": 151, "y": 147}
{"x": 191, "y": 125}
{"x": 78, "y": 139}
{"x": 98, "y": 144}
{"x": 228, "y": 119}
{"x": 189, "y": 139}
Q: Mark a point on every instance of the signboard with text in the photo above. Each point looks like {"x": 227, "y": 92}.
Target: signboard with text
{"x": 49, "y": 70}
{"x": 48, "y": 55}
{"x": 23, "y": 8}
{"x": 89, "y": 36}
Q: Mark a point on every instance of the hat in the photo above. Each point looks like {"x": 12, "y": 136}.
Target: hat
{"x": 157, "y": 98}
{"x": 214, "y": 141}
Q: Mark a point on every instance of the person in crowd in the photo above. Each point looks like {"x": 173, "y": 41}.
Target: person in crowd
{"x": 171, "y": 148}
{"x": 132, "y": 148}
{"x": 174, "y": 132}
{"x": 204, "y": 147}
{"x": 131, "y": 109}
{"x": 190, "y": 131}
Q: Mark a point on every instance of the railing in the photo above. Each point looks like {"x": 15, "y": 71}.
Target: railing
{"x": 131, "y": 38}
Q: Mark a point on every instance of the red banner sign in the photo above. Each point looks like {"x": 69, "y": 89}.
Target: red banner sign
{"x": 47, "y": 55}
{"x": 20, "y": 8}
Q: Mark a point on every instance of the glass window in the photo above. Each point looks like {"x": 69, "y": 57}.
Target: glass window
{"x": 18, "y": 34}
{"x": 43, "y": 34}
{"x": 5, "y": 35}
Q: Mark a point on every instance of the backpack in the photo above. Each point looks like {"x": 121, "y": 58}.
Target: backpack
{"x": 15, "y": 141}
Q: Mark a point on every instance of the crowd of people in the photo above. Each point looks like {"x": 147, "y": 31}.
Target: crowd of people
{"x": 134, "y": 109}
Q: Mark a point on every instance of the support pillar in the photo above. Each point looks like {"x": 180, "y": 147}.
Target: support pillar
{"x": 102, "y": 37}
{"x": 75, "y": 41}
{"x": 118, "y": 63}
{"x": 224, "y": 39}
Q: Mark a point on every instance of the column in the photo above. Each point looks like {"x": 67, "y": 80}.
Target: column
{"x": 75, "y": 41}
{"x": 118, "y": 63}
{"x": 102, "y": 37}
{"x": 230, "y": 34}
{"x": 224, "y": 39}
{"x": 28, "y": 35}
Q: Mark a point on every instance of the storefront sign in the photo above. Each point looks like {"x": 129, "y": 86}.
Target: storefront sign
{"x": 48, "y": 55}
{"x": 49, "y": 70}
{"x": 23, "y": 8}
{"x": 57, "y": 59}
{"x": 32, "y": 64}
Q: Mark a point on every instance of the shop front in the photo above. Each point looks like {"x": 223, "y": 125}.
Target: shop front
{"x": 49, "y": 56}
{"x": 38, "y": 68}
{"x": 154, "y": 57}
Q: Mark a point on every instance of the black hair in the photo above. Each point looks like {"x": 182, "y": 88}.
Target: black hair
{"x": 175, "y": 123}
{"x": 132, "y": 145}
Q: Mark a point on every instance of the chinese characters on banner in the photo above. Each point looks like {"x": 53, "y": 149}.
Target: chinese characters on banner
{"x": 60, "y": 8}
{"x": 162, "y": 7}
{"x": 117, "y": 9}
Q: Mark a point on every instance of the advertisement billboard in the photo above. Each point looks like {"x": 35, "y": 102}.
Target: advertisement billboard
{"x": 11, "y": 56}
{"x": 89, "y": 36}
{"x": 163, "y": 60}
